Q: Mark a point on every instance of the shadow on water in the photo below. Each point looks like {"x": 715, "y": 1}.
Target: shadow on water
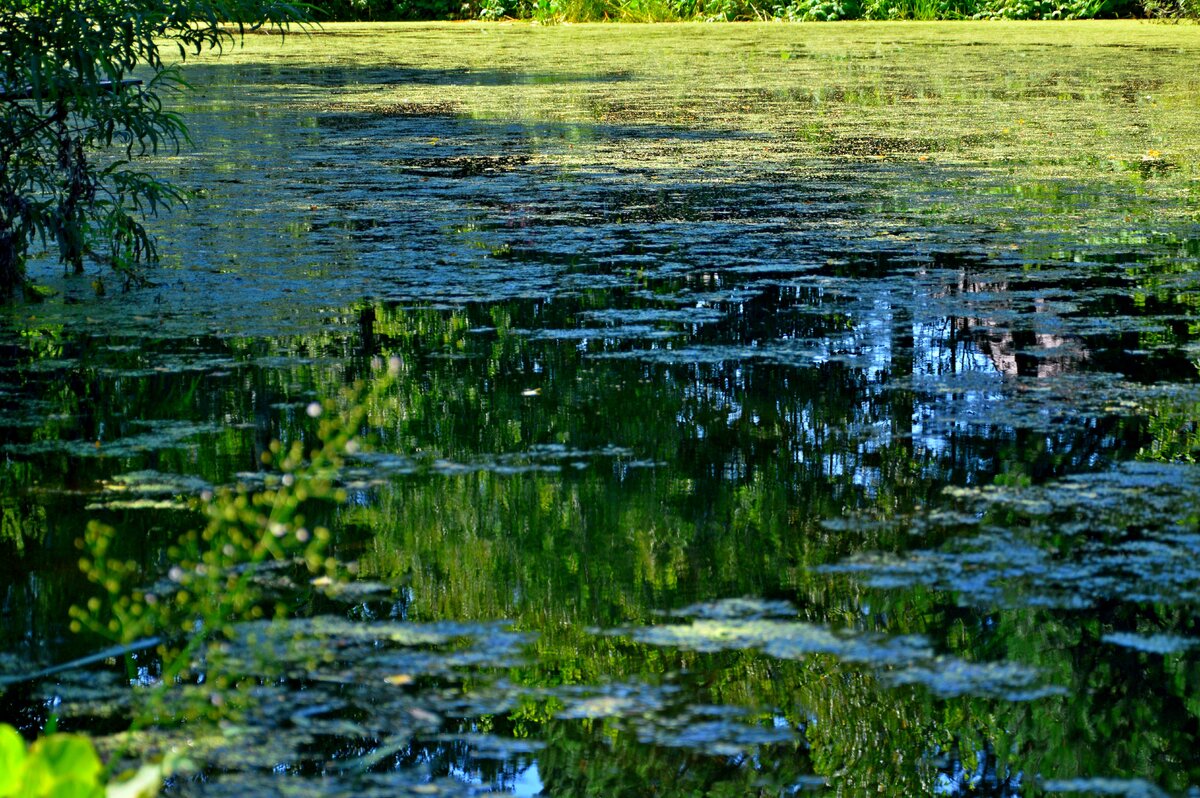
{"x": 939, "y": 422}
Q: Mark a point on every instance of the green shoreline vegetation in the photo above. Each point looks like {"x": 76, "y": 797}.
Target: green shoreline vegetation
{"x": 559, "y": 11}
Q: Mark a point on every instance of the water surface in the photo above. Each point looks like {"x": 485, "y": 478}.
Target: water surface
{"x": 780, "y": 408}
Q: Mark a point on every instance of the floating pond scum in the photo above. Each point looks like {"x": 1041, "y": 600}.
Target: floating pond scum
{"x": 773, "y": 409}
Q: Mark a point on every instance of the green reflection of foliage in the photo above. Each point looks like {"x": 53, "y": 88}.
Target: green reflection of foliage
{"x": 479, "y": 523}
{"x": 1174, "y": 427}
{"x": 22, "y": 518}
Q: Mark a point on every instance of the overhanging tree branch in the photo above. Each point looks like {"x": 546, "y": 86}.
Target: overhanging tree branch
{"x": 67, "y": 95}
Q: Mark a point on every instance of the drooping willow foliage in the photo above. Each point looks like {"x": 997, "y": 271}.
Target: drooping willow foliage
{"x": 74, "y": 118}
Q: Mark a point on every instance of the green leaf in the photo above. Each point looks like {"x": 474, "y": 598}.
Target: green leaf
{"x": 36, "y": 779}
{"x": 68, "y": 757}
{"x": 12, "y": 760}
{"x": 76, "y": 788}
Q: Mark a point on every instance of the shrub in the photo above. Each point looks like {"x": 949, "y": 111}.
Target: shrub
{"x": 817, "y": 10}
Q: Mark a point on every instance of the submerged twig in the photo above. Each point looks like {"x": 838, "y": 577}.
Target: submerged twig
{"x": 108, "y": 653}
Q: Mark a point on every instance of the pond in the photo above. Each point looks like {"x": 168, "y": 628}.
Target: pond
{"x": 773, "y": 409}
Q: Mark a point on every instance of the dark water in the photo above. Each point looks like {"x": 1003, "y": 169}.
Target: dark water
{"x": 863, "y": 475}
